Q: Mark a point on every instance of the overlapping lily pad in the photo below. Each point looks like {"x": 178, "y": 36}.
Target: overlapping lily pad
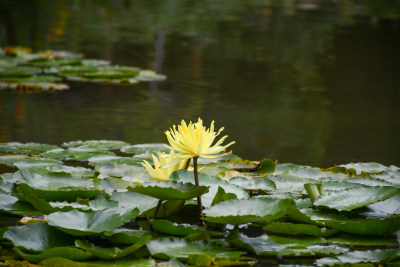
{"x": 89, "y": 223}
{"x": 169, "y": 190}
{"x": 240, "y": 211}
{"x": 17, "y": 147}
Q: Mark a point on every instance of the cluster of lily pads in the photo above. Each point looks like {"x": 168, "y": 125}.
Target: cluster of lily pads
{"x": 90, "y": 203}
{"x": 26, "y": 71}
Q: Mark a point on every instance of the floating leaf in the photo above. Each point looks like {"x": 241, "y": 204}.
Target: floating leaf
{"x": 126, "y": 236}
{"x": 75, "y": 153}
{"x": 269, "y": 245}
{"x": 21, "y": 161}
{"x": 37, "y": 237}
{"x": 110, "y": 253}
{"x": 66, "y": 252}
{"x": 296, "y": 229}
{"x": 59, "y": 261}
{"x": 10, "y": 204}
{"x": 121, "y": 170}
{"x": 181, "y": 249}
{"x": 239, "y": 211}
{"x": 371, "y": 167}
{"x": 96, "y": 144}
{"x": 145, "y": 148}
{"x": 16, "y": 147}
{"x": 60, "y": 189}
{"x": 106, "y": 159}
{"x": 167, "y": 227}
{"x": 355, "y": 197}
{"x": 169, "y": 190}
{"x": 211, "y": 181}
{"x": 132, "y": 200}
{"x": 355, "y": 257}
{"x": 258, "y": 183}
{"x": 18, "y": 71}
{"x": 81, "y": 223}
{"x": 358, "y": 240}
{"x": 222, "y": 196}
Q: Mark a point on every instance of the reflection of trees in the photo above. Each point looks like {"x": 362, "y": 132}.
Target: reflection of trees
{"x": 253, "y": 66}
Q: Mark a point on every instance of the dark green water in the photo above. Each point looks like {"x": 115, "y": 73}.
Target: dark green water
{"x": 295, "y": 81}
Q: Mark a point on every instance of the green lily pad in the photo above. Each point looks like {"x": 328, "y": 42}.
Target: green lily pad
{"x": 110, "y": 253}
{"x": 22, "y": 161}
{"x": 76, "y": 172}
{"x": 357, "y": 257}
{"x": 18, "y": 71}
{"x": 105, "y": 159}
{"x": 11, "y": 205}
{"x": 96, "y": 144}
{"x": 150, "y": 76}
{"x": 38, "y": 237}
{"x": 237, "y": 163}
{"x": 126, "y": 236}
{"x": 270, "y": 245}
{"x": 132, "y": 200}
{"x": 347, "y": 222}
{"x": 371, "y": 167}
{"x": 169, "y": 190}
{"x": 88, "y": 223}
{"x": 16, "y": 147}
{"x": 240, "y": 211}
{"x": 289, "y": 183}
{"x": 167, "y": 227}
{"x": 75, "y": 153}
{"x": 145, "y": 148}
{"x": 59, "y": 261}
{"x": 358, "y": 240}
{"x": 66, "y": 252}
{"x": 222, "y": 196}
{"x": 307, "y": 172}
{"x": 34, "y": 79}
{"x": 121, "y": 170}
{"x": 355, "y": 197}
{"x": 211, "y": 181}
{"x": 63, "y": 61}
{"x": 50, "y": 189}
{"x": 181, "y": 249}
{"x": 297, "y": 229}
{"x": 259, "y": 183}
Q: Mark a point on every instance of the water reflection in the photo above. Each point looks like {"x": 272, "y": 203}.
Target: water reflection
{"x": 305, "y": 82}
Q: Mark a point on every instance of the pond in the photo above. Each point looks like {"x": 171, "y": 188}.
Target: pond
{"x": 298, "y": 81}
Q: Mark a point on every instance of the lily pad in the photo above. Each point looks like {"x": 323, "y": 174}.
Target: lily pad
{"x": 22, "y": 161}
{"x": 355, "y": 197}
{"x": 269, "y": 245}
{"x": 16, "y": 147}
{"x": 38, "y": 237}
{"x": 88, "y": 223}
{"x": 75, "y": 153}
{"x": 297, "y": 229}
{"x": 66, "y": 252}
{"x": 18, "y": 71}
{"x": 96, "y": 144}
{"x": 59, "y": 261}
{"x": 126, "y": 236}
{"x": 60, "y": 189}
{"x": 356, "y": 257}
{"x": 11, "y": 205}
{"x": 169, "y": 190}
{"x": 240, "y": 211}
{"x": 145, "y": 148}
{"x": 258, "y": 183}
{"x": 132, "y": 200}
{"x": 167, "y": 227}
{"x": 105, "y": 159}
{"x": 181, "y": 249}
{"x": 211, "y": 181}
{"x": 358, "y": 240}
{"x": 110, "y": 253}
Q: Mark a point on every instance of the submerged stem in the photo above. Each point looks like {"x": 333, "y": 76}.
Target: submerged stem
{"x": 157, "y": 208}
{"x": 196, "y": 181}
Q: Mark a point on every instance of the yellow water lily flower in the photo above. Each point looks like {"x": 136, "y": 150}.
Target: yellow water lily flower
{"x": 162, "y": 174}
{"x": 195, "y": 140}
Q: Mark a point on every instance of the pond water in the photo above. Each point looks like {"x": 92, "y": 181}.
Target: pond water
{"x": 298, "y": 81}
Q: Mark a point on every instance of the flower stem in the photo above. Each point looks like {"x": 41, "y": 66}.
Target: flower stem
{"x": 196, "y": 181}
{"x": 187, "y": 164}
{"x": 157, "y": 208}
